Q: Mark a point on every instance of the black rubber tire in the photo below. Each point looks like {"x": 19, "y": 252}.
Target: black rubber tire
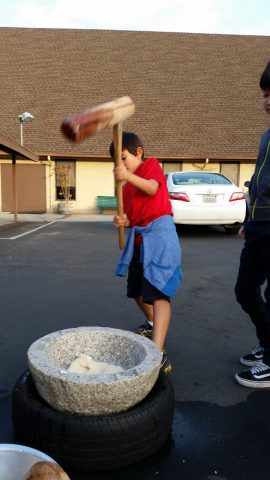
{"x": 231, "y": 230}
{"x": 81, "y": 444}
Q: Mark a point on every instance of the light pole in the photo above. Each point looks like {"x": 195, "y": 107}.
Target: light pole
{"x": 24, "y": 117}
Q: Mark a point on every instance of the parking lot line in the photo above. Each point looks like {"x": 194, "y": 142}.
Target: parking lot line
{"x": 27, "y": 233}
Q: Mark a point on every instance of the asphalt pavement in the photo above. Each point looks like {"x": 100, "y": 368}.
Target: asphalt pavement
{"x": 58, "y": 272}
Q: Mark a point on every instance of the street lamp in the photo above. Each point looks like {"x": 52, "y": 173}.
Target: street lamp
{"x": 24, "y": 117}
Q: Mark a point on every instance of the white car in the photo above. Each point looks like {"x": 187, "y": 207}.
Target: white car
{"x": 206, "y": 198}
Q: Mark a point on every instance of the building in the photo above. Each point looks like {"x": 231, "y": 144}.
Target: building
{"x": 197, "y": 97}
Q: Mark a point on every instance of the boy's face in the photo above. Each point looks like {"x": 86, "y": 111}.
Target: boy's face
{"x": 266, "y": 101}
{"x": 132, "y": 162}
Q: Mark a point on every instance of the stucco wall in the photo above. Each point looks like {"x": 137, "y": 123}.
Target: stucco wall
{"x": 246, "y": 172}
{"x": 96, "y": 178}
{"x": 92, "y": 179}
{"x": 201, "y": 166}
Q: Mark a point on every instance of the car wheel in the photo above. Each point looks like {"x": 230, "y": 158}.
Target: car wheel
{"x": 231, "y": 229}
{"x": 81, "y": 443}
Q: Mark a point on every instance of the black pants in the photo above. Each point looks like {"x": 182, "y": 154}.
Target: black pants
{"x": 137, "y": 285}
{"x": 254, "y": 271}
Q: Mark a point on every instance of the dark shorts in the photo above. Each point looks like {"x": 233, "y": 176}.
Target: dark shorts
{"x": 137, "y": 285}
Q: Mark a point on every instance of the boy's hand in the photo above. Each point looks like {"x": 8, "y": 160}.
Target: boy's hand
{"x": 120, "y": 173}
{"x": 242, "y": 232}
{"x": 121, "y": 220}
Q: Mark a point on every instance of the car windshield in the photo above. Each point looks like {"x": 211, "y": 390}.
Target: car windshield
{"x": 199, "y": 178}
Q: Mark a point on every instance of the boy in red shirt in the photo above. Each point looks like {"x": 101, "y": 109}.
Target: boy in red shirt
{"x": 148, "y": 212}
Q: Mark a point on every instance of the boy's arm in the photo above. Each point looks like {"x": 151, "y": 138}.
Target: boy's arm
{"x": 147, "y": 186}
{"x": 121, "y": 220}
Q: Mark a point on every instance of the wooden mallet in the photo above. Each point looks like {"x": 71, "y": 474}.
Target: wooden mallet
{"x": 82, "y": 125}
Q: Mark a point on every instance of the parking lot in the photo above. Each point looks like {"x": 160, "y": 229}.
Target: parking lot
{"x": 60, "y": 274}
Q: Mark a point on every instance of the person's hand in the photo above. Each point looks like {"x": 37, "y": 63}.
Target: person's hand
{"x": 120, "y": 173}
{"x": 242, "y": 232}
{"x": 121, "y": 220}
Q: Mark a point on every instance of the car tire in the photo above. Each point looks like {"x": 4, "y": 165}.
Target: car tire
{"x": 81, "y": 443}
{"x": 231, "y": 229}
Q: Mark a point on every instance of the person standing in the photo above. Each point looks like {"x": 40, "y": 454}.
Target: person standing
{"x": 152, "y": 253}
{"x": 254, "y": 269}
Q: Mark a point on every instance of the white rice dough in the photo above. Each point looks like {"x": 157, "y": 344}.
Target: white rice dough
{"x": 86, "y": 365}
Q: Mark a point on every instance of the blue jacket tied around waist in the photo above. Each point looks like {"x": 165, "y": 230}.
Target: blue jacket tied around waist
{"x": 160, "y": 254}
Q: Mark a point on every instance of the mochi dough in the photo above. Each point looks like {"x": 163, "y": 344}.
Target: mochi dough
{"x": 86, "y": 365}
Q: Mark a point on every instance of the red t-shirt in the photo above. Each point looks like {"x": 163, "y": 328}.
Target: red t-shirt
{"x": 140, "y": 207}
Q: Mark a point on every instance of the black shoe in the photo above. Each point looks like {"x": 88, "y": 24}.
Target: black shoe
{"x": 256, "y": 377}
{"x": 165, "y": 365}
{"x": 146, "y": 330}
{"x": 253, "y": 358}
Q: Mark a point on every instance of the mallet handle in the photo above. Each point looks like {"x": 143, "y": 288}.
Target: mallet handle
{"x": 117, "y": 140}
{"x": 82, "y": 125}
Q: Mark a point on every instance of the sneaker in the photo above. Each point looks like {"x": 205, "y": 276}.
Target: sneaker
{"x": 146, "y": 330}
{"x": 256, "y": 377}
{"x": 165, "y": 365}
{"x": 252, "y": 359}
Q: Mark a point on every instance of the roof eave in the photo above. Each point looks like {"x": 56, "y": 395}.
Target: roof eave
{"x": 13, "y": 148}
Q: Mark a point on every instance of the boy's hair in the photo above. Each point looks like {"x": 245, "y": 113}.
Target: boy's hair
{"x": 265, "y": 78}
{"x": 130, "y": 142}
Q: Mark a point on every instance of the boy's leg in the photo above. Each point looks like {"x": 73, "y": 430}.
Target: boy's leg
{"x": 134, "y": 290}
{"x": 155, "y": 305}
{"x": 259, "y": 375}
{"x": 251, "y": 276}
{"x": 266, "y": 355}
{"x": 145, "y": 308}
{"x": 160, "y": 304}
{"x": 161, "y": 321}
{"x": 146, "y": 328}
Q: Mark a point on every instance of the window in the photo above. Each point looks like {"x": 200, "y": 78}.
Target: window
{"x": 193, "y": 178}
{"x": 65, "y": 180}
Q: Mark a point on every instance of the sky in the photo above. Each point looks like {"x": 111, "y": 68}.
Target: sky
{"x": 241, "y": 17}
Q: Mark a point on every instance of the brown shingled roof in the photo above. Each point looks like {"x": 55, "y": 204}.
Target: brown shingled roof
{"x": 195, "y": 94}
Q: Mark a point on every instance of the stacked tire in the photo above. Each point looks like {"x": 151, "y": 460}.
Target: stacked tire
{"x": 81, "y": 443}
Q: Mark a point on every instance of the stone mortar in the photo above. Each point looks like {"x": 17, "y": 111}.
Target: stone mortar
{"x": 50, "y": 356}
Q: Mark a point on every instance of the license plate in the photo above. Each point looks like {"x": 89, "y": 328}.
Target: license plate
{"x": 209, "y": 198}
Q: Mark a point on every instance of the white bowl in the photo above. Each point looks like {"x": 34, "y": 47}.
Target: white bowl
{"x": 16, "y": 460}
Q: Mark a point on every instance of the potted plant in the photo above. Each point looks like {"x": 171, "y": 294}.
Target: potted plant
{"x": 63, "y": 186}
